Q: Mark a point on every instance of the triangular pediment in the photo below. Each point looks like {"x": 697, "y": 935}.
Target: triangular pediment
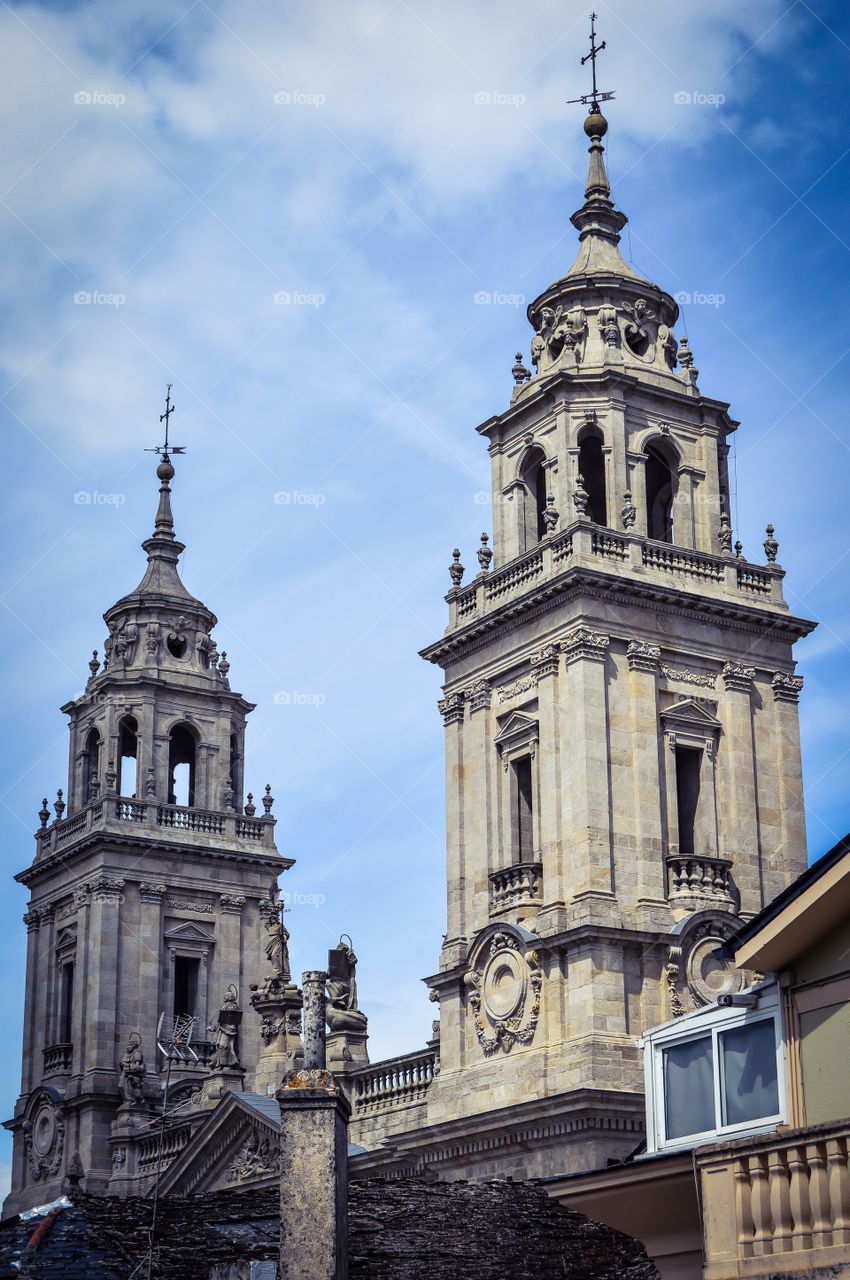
{"x": 517, "y": 725}
{"x": 689, "y": 711}
{"x": 66, "y": 938}
{"x": 236, "y": 1146}
{"x": 189, "y": 931}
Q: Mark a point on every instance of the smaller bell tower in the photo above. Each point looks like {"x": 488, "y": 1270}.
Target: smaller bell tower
{"x": 152, "y": 880}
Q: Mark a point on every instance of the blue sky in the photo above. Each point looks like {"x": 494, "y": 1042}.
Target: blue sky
{"x": 184, "y": 165}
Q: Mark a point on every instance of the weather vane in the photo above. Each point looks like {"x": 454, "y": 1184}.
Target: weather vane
{"x": 594, "y": 98}
{"x": 165, "y": 449}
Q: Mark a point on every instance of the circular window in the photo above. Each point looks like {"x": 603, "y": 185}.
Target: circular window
{"x": 44, "y": 1131}
{"x": 176, "y": 645}
{"x": 504, "y": 985}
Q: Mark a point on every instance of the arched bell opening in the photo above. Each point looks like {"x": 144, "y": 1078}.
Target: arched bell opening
{"x": 128, "y": 757}
{"x": 533, "y": 476}
{"x": 591, "y": 467}
{"x": 182, "y": 760}
{"x": 661, "y": 484}
{"x": 91, "y": 765}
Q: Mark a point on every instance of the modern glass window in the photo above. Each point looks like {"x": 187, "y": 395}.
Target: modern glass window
{"x": 724, "y": 1079}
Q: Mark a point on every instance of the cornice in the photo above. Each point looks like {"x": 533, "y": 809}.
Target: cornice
{"x": 160, "y": 850}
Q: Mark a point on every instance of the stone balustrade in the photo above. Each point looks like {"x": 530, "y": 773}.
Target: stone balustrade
{"x": 514, "y": 885}
{"x": 691, "y": 876}
{"x": 397, "y": 1082}
{"x": 586, "y": 545}
{"x": 778, "y": 1204}
{"x": 58, "y": 1057}
{"x": 115, "y": 812}
{"x": 175, "y": 1138}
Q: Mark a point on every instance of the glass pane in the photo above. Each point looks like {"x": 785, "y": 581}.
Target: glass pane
{"x": 688, "y": 1088}
{"x": 750, "y": 1088}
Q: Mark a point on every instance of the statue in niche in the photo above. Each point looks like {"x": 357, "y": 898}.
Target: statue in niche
{"x": 226, "y": 1029}
{"x": 132, "y": 1071}
{"x": 342, "y": 1012}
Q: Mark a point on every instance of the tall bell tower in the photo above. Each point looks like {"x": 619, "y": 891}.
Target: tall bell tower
{"x": 622, "y": 748}
{"x": 150, "y": 883}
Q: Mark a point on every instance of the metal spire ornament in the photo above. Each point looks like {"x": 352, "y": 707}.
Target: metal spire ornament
{"x": 595, "y": 96}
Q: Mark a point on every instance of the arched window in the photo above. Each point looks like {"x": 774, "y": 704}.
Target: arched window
{"x": 660, "y": 491}
{"x": 591, "y": 465}
{"x": 182, "y": 752}
{"x": 91, "y": 763}
{"x": 128, "y": 756}
{"x": 533, "y": 476}
{"x": 235, "y": 767}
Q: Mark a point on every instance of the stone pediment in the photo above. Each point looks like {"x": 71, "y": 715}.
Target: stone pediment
{"x": 189, "y": 931}
{"x": 692, "y": 712}
{"x": 237, "y": 1146}
{"x": 516, "y": 725}
{"x": 66, "y": 938}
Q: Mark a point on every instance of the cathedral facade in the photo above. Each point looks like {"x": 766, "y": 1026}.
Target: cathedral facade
{"x": 623, "y": 785}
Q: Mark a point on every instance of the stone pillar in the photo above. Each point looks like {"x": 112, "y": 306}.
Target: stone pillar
{"x": 314, "y": 1117}
{"x": 453, "y": 708}
{"x": 587, "y": 848}
{"x": 643, "y": 662}
{"x": 790, "y": 858}
{"x": 279, "y": 1005}
{"x": 32, "y": 920}
{"x": 101, "y": 979}
{"x": 547, "y": 801}
{"x": 151, "y": 951}
{"x": 741, "y": 801}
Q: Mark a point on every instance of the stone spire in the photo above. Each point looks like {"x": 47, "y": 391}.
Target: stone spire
{"x": 598, "y": 221}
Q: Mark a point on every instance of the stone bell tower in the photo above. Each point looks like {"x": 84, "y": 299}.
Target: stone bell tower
{"x": 622, "y": 748}
{"x": 149, "y": 888}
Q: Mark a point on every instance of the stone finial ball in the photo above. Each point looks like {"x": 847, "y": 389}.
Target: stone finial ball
{"x": 596, "y": 126}
{"x": 165, "y": 471}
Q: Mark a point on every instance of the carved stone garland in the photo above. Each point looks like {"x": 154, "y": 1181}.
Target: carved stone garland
{"x": 505, "y": 995}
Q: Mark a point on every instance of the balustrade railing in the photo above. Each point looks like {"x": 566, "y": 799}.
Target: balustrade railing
{"x": 105, "y": 811}
{"x": 520, "y": 882}
{"x": 667, "y": 558}
{"x": 394, "y": 1083}
{"x": 58, "y": 1057}
{"x": 692, "y": 875}
{"x": 514, "y": 575}
{"x": 791, "y": 1196}
{"x": 609, "y": 545}
{"x": 173, "y": 1142}
{"x": 172, "y": 815}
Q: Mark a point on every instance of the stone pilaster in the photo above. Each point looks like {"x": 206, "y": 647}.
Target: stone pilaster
{"x": 452, "y": 709}
{"x": 740, "y": 807}
{"x": 790, "y": 858}
{"x": 101, "y": 978}
{"x": 151, "y": 949}
{"x": 643, "y": 660}
{"x": 588, "y": 834}
{"x": 546, "y": 663}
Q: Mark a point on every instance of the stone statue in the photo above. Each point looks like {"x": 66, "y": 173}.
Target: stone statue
{"x": 277, "y": 948}
{"x": 342, "y": 1012}
{"x": 132, "y": 1072}
{"x": 225, "y": 1030}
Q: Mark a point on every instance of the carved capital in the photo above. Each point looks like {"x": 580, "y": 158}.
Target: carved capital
{"x": 32, "y": 919}
{"x": 231, "y": 904}
{"x": 786, "y": 688}
{"x": 452, "y": 708}
{"x": 581, "y": 642}
{"x": 106, "y": 888}
{"x": 151, "y": 890}
{"x": 479, "y": 696}
{"x": 546, "y": 661}
{"x": 738, "y": 677}
{"x": 643, "y": 657}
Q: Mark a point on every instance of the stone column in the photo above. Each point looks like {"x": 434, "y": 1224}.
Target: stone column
{"x": 643, "y": 662}
{"x": 739, "y": 790}
{"x": 790, "y": 859}
{"x": 314, "y": 1117}
{"x": 453, "y": 708}
{"x": 31, "y": 1069}
{"x": 480, "y": 848}
{"x": 587, "y": 847}
{"x": 547, "y": 800}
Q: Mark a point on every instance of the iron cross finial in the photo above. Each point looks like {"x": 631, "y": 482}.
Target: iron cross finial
{"x": 165, "y": 449}
{"x": 596, "y": 96}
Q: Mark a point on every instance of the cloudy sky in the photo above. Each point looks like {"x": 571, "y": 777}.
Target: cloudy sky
{"x": 288, "y": 210}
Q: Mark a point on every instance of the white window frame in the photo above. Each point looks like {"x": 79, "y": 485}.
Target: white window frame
{"x": 712, "y": 1021}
